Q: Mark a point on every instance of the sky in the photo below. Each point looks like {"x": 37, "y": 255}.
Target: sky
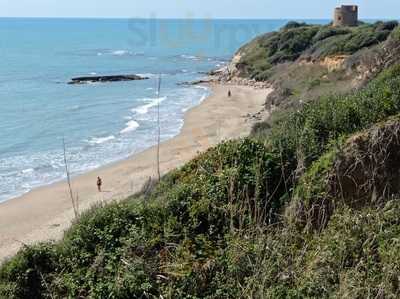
{"x": 245, "y": 9}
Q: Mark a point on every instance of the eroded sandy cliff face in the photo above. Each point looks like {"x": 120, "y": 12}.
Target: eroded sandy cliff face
{"x": 362, "y": 172}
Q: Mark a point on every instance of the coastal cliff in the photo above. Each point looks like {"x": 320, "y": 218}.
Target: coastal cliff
{"x": 305, "y": 207}
{"x": 303, "y": 62}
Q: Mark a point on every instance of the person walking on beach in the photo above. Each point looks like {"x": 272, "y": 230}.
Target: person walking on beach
{"x": 229, "y": 93}
{"x": 99, "y": 183}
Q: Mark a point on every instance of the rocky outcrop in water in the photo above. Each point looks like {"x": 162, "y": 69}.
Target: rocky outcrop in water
{"x": 103, "y": 79}
{"x": 196, "y": 82}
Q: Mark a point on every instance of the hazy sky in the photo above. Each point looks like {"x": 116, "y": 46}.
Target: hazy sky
{"x": 264, "y": 9}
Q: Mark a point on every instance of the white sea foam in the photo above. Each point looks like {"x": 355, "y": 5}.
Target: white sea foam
{"x": 201, "y": 87}
{"x": 145, "y": 108}
{"x": 130, "y": 127}
{"x": 100, "y": 140}
{"x": 191, "y": 57}
{"x": 148, "y": 75}
{"x": 126, "y": 53}
{"x": 203, "y": 98}
{"x": 120, "y": 53}
{"x": 28, "y": 170}
{"x": 184, "y": 110}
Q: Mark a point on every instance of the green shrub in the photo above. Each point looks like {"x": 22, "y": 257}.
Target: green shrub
{"x": 390, "y": 25}
{"x": 349, "y": 43}
{"x": 293, "y": 24}
{"x": 356, "y": 256}
{"x": 29, "y": 273}
{"x": 396, "y": 34}
{"x": 306, "y": 134}
{"x": 326, "y": 32}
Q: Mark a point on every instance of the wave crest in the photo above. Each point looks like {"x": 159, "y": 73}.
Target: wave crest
{"x": 130, "y": 127}
{"x": 100, "y": 140}
{"x": 145, "y": 108}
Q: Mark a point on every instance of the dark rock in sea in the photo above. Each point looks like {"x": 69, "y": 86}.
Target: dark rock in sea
{"x": 197, "y": 82}
{"x": 115, "y": 78}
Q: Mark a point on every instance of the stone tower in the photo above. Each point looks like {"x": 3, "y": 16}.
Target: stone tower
{"x": 346, "y": 15}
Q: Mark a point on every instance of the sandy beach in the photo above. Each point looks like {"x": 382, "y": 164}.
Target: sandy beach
{"x": 45, "y": 213}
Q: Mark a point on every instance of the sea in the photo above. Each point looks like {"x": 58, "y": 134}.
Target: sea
{"x": 100, "y": 123}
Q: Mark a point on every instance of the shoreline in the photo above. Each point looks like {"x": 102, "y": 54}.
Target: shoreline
{"x": 79, "y": 173}
{"x": 46, "y": 212}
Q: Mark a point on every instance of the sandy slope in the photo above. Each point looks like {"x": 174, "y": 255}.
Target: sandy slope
{"x": 46, "y": 212}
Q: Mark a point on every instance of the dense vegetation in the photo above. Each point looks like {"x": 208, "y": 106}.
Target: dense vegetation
{"x": 242, "y": 219}
{"x": 311, "y": 41}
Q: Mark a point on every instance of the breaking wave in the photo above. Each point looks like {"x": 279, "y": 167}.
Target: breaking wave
{"x": 130, "y": 127}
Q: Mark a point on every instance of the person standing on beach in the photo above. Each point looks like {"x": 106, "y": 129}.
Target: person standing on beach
{"x": 229, "y": 93}
{"x": 99, "y": 183}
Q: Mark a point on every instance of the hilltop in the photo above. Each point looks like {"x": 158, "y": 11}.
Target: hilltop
{"x": 305, "y": 207}
{"x": 303, "y": 62}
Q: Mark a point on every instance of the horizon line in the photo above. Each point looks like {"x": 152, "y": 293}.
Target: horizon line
{"x": 189, "y": 18}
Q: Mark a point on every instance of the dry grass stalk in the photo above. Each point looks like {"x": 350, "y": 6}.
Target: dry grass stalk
{"x": 74, "y": 200}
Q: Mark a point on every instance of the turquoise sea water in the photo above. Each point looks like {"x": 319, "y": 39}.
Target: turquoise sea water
{"x": 101, "y": 123}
